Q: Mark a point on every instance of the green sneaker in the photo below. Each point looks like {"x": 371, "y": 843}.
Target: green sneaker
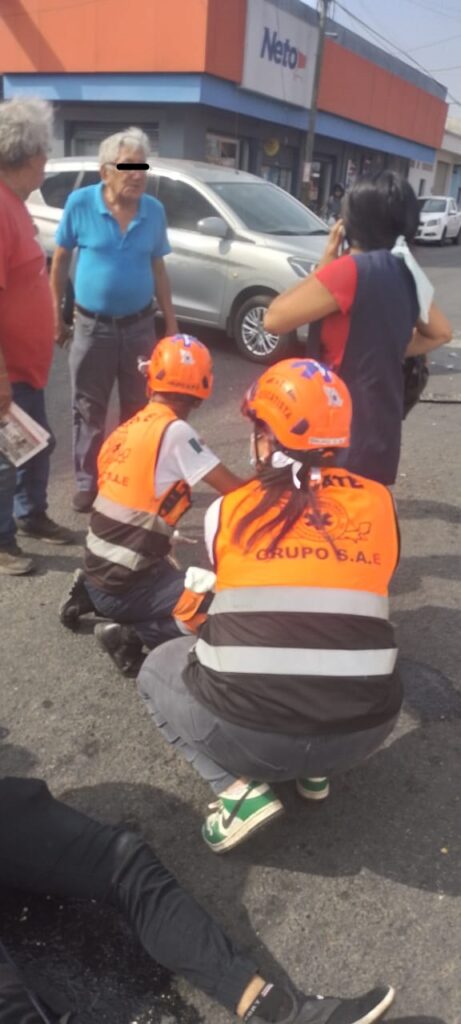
{"x": 313, "y": 789}
{"x": 233, "y": 820}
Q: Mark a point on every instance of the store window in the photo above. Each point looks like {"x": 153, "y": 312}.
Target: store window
{"x": 351, "y": 173}
{"x": 222, "y": 150}
{"x": 281, "y": 176}
{"x": 321, "y": 184}
{"x": 184, "y": 205}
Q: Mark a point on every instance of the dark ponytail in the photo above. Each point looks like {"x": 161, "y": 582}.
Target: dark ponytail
{"x": 289, "y": 503}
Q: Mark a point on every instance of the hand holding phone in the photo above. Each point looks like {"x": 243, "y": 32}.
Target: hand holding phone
{"x": 335, "y": 243}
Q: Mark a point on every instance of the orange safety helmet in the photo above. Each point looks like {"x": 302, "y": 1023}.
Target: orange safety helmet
{"x": 304, "y": 405}
{"x": 181, "y": 364}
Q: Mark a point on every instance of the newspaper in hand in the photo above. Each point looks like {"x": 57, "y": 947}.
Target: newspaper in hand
{"x": 20, "y": 436}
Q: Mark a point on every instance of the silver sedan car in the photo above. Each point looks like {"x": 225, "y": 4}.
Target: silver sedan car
{"x": 237, "y": 241}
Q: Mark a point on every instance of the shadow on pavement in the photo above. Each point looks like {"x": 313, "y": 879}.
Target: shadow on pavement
{"x": 415, "y": 1020}
{"x": 413, "y": 570}
{"x": 54, "y": 562}
{"x": 414, "y": 508}
{"x": 432, "y": 632}
{"x": 87, "y": 952}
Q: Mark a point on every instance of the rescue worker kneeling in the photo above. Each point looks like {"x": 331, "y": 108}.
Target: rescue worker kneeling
{"x": 146, "y": 469}
{"x": 293, "y": 673}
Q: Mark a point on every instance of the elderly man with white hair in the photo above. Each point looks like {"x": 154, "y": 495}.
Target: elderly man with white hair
{"x": 26, "y": 327}
{"x": 121, "y": 237}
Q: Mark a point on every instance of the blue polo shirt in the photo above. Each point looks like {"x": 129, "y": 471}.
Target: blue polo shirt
{"x": 114, "y": 274}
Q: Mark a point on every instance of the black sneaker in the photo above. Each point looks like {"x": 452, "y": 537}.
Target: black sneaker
{"x": 123, "y": 645}
{"x": 42, "y": 527}
{"x": 76, "y": 603}
{"x": 328, "y": 1010}
{"x": 14, "y": 561}
{"x": 83, "y": 501}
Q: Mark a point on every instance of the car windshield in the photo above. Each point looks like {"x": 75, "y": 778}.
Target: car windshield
{"x": 432, "y": 205}
{"x": 263, "y": 207}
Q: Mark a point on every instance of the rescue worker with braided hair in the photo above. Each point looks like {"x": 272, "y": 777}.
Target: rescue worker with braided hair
{"x": 292, "y": 676}
{"x": 146, "y": 469}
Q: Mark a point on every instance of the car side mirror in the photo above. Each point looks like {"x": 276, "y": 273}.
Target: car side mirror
{"x": 215, "y": 227}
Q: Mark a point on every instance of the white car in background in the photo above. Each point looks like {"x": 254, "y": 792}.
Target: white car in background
{"x": 439, "y": 220}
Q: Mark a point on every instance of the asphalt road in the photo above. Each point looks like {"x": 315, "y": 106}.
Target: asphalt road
{"x": 367, "y": 886}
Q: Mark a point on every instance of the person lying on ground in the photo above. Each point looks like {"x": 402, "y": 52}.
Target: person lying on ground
{"x": 47, "y": 847}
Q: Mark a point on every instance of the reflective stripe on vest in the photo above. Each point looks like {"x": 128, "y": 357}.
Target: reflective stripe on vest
{"x": 298, "y": 639}
{"x": 131, "y": 525}
{"x": 328, "y": 600}
{"x": 284, "y": 661}
{"x": 122, "y": 514}
{"x": 116, "y": 554}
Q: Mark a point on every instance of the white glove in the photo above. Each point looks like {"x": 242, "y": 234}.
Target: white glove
{"x": 199, "y": 581}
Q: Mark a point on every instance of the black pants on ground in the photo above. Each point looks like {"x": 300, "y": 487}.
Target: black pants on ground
{"x": 47, "y": 847}
{"x": 17, "y": 1004}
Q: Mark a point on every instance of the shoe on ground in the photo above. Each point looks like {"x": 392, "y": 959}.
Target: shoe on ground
{"x": 313, "y": 789}
{"x": 234, "y": 819}
{"x": 14, "y": 561}
{"x": 82, "y": 501}
{"x": 76, "y": 603}
{"x": 328, "y": 1010}
{"x": 123, "y": 645}
{"x": 41, "y": 527}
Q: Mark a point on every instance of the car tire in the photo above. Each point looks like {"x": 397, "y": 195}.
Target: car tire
{"x": 443, "y": 237}
{"x": 457, "y": 238}
{"x": 252, "y": 341}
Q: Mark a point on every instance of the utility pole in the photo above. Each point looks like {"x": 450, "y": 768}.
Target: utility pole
{"x": 310, "y": 138}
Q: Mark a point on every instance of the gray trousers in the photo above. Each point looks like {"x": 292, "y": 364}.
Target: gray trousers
{"x": 101, "y": 354}
{"x": 222, "y": 752}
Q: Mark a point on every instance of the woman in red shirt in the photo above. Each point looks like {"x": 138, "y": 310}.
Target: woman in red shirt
{"x": 370, "y": 309}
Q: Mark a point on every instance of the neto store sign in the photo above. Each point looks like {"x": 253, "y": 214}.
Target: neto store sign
{"x": 279, "y": 54}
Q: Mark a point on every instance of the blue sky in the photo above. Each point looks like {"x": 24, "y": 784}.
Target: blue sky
{"x": 428, "y": 30}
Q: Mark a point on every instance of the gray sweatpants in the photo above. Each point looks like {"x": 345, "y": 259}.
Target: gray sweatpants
{"x": 222, "y": 752}
{"x": 101, "y": 354}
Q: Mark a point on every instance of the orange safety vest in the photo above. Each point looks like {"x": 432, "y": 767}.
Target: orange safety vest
{"x": 299, "y": 640}
{"x": 131, "y": 525}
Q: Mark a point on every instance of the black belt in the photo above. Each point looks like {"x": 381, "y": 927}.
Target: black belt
{"x": 120, "y": 320}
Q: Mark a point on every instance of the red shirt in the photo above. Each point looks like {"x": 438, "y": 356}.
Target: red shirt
{"x": 340, "y": 278}
{"x": 26, "y": 311}
{"x": 365, "y": 342}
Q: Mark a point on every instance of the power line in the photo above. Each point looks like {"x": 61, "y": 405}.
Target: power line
{"x": 454, "y": 67}
{"x": 429, "y": 46}
{"x": 370, "y": 32}
{"x": 440, "y": 11}
{"x": 399, "y": 49}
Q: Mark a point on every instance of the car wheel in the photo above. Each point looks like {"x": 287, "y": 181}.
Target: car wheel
{"x": 443, "y": 237}
{"x": 457, "y": 238}
{"x": 250, "y": 337}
